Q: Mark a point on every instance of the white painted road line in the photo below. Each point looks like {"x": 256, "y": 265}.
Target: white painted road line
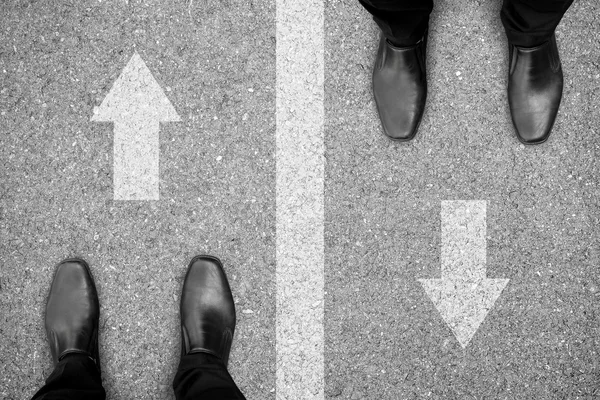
{"x": 463, "y": 295}
{"x": 300, "y": 203}
{"x": 136, "y": 104}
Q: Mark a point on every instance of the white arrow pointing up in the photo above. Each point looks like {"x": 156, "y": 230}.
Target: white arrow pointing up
{"x": 136, "y": 104}
{"x": 463, "y": 295}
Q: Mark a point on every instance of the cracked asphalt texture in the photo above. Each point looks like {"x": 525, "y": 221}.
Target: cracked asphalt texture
{"x": 216, "y": 62}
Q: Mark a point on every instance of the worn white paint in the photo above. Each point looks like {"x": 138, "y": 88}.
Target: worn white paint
{"x": 136, "y": 104}
{"x": 463, "y": 295}
{"x": 300, "y": 205}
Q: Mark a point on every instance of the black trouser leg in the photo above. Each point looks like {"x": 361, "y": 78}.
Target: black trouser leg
{"x": 403, "y": 22}
{"x": 75, "y": 377}
{"x": 529, "y": 23}
{"x": 204, "y": 377}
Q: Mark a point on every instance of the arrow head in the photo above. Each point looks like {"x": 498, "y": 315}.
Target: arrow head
{"x": 463, "y": 304}
{"x": 135, "y": 95}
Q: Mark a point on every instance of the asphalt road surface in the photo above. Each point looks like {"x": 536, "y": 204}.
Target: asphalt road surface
{"x": 383, "y": 219}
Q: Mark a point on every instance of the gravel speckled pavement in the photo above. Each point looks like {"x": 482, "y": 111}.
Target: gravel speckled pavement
{"x": 216, "y": 63}
{"x": 384, "y": 338}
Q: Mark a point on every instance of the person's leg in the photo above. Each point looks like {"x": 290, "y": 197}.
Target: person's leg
{"x": 399, "y": 78}
{"x": 75, "y": 377}
{"x": 204, "y": 376}
{"x": 535, "y": 79}
{"x": 530, "y": 23}
{"x": 72, "y": 315}
{"x": 402, "y": 22}
{"x": 207, "y": 328}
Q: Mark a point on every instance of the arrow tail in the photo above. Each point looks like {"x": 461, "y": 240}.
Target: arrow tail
{"x": 136, "y": 160}
{"x": 464, "y": 239}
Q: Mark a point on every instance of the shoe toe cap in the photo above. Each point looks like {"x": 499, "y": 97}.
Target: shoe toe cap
{"x": 400, "y": 126}
{"x": 534, "y": 128}
{"x": 400, "y": 111}
{"x": 206, "y": 271}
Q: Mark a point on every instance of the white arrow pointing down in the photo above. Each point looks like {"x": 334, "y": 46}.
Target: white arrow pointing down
{"x": 136, "y": 104}
{"x": 463, "y": 295}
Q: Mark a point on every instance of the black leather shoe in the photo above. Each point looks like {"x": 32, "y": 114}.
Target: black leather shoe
{"x": 207, "y": 309}
{"x": 73, "y": 311}
{"x": 535, "y": 85}
{"x": 400, "y": 88}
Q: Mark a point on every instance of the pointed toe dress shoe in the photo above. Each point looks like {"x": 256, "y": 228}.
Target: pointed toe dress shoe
{"x": 72, "y": 312}
{"x": 207, "y": 309}
{"x": 535, "y": 85}
{"x": 400, "y": 88}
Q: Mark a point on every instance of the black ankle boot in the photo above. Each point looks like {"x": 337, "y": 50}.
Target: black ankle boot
{"x": 207, "y": 309}
{"x": 400, "y": 87}
{"x": 535, "y": 85}
{"x": 72, "y": 312}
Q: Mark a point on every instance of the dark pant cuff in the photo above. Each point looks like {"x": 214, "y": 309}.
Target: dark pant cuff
{"x": 75, "y": 377}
